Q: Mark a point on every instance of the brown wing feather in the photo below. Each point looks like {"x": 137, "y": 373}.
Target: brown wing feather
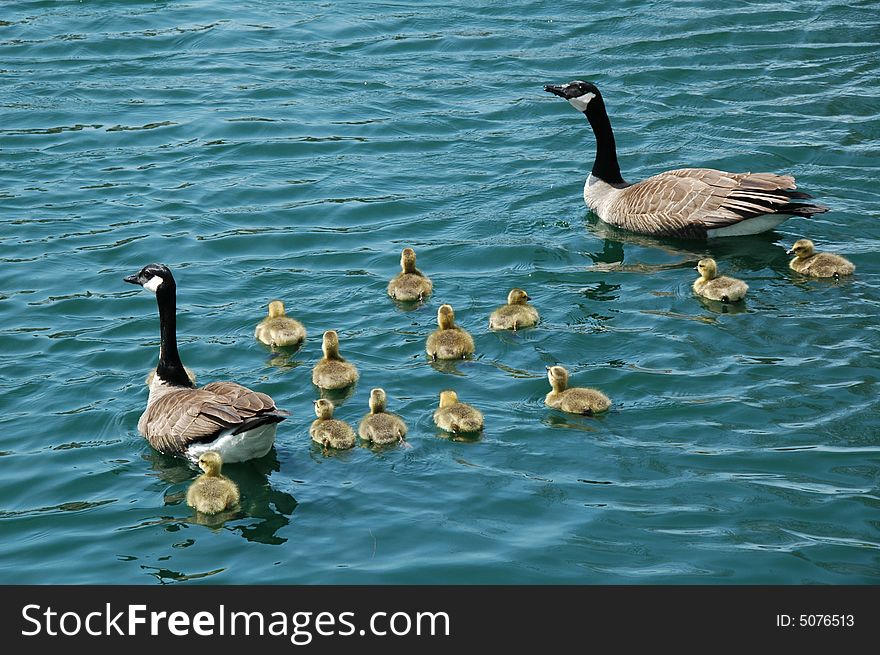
{"x": 180, "y": 418}
{"x": 690, "y": 201}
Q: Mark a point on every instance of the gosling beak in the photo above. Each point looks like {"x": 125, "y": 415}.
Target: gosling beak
{"x": 528, "y": 297}
{"x": 790, "y": 251}
{"x": 557, "y": 90}
{"x": 131, "y": 279}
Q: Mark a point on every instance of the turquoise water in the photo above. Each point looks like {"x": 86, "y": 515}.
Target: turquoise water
{"x": 291, "y": 150}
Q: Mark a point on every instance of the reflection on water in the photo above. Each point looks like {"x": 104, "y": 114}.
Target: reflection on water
{"x": 719, "y": 307}
{"x": 337, "y": 396}
{"x": 262, "y": 511}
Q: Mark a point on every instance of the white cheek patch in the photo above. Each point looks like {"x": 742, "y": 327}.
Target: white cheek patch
{"x": 580, "y": 103}
{"x": 154, "y": 283}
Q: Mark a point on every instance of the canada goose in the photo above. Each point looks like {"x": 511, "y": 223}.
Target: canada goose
{"x": 191, "y": 374}
{"x": 691, "y": 203}
{"x": 278, "y": 329}
{"x": 717, "y": 287}
{"x": 818, "y": 264}
{"x": 328, "y": 431}
{"x": 332, "y": 371}
{"x": 457, "y": 417}
{"x": 181, "y": 419}
{"x": 379, "y": 426}
{"x": 575, "y": 400}
{"x": 449, "y": 341}
{"x": 517, "y": 313}
{"x": 212, "y": 493}
{"x": 410, "y": 284}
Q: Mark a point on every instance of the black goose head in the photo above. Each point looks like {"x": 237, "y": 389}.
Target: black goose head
{"x": 578, "y": 93}
{"x": 153, "y": 277}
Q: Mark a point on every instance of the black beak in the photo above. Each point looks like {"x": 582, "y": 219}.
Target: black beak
{"x": 557, "y": 90}
{"x": 528, "y": 297}
{"x": 131, "y": 279}
{"x": 789, "y": 252}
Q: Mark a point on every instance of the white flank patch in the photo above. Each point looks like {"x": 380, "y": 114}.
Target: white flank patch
{"x": 756, "y": 225}
{"x": 237, "y": 447}
{"x": 154, "y": 283}
{"x": 580, "y": 103}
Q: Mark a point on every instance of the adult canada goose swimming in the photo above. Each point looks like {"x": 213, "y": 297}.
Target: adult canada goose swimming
{"x": 517, "y": 313}
{"x": 449, "y": 341}
{"x": 379, "y": 426}
{"x": 457, "y": 417}
{"x": 332, "y": 371}
{"x": 212, "y": 492}
{"x": 278, "y": 329}
{"x": 181, "y": 419}
{"x": 717, "y": 287}
{"x": 693, "y": 203}
{"x": 575, "y": 400}
{"x": 818, "y": 264}
{"x": 410, "y": 284}
{"x": 328, "y": 431}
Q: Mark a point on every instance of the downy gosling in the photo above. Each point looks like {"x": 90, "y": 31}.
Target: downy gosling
{"x": 457, "y": 417}
{"x": 278, "y": 329}
{"x": 333, "y": 372}
{"x": 517, "y": 313}
{"x": 449, "y": 341}
{"x": 212, "y": 493}
{"x": 328, "y": 431}
{"x": 718, "y": 287}
{"x": 379, "y": 426}
{"x": 575, "y": 400}
{"x": 818, "y": 264}
{"x": 410, "y": 284}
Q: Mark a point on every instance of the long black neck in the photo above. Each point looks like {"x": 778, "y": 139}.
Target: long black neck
{"x": 605, "y": 167}
{"x": 170, "y": 368}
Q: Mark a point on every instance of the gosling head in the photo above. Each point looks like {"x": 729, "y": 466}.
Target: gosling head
{"x": 408, "y": 260}
{"x": 210, "y": 462}
{"x": 707, "y": 268}
{"x": 448, "y": 398}
{"x": 446, "y": 317}
{"x": 323, "y": 409}
{"x": 578, "y": 93}
{"x": 802, "y": 248}
{"x": 377, "y": 401}
{"x": 330, "y": 345}
{"x": 153, "y": 277}
{"x": 558, "y": 377}
{"x": 517, "y": 297}
{"x": 276, "y": 309}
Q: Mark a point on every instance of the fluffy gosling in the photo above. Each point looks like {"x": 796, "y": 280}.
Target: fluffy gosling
{"x": 449, "y": 341}
{"x": 379, "y": 426}
{"x": 517, "y": 313}
{"x": 457, "y": 417}
{"x": 328, "y": 431}
{"x": 278, "y": 329}
{"x": 575, "y": 400}
{"x": 212, "y": 493}
{"x": 410, "y": 284}
{"x": 818, "y": 264}
{"x": 718, "y": 287}
{"x": 333, "y": 372}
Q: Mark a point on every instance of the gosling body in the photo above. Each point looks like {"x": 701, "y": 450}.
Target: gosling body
{"x": 457, "y": 417}
{"x": 278, "y": 329}
{"x": 410, "y": 284}
{"x": 718, "y": 287}
{"x": 516, "y": 314}
{"x": 379, "y": 426}
{"x": 328, "y": 431}
{"x": 333, "y": 371}
{"x": 212, "y": 492}
{"x": 574, "y": 400}
{"x": 818, "y": 264}
{"x": 449, "y": 341}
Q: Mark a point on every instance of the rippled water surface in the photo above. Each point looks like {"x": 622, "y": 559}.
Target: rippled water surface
{"x": 277, "y": 149}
